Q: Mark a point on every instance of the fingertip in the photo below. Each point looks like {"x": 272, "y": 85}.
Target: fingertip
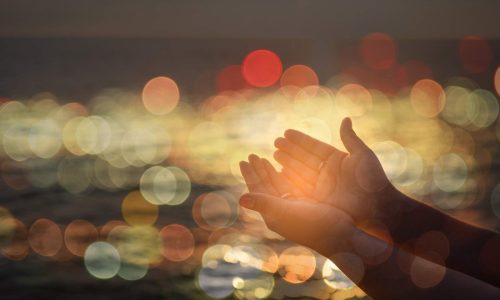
{"x": 252, "y": 157}
{"x": 279, "y": 142}
{"x": 290, "y": 133}
{"x": 278, "y": 155}
{"x": 247, "y": 201}
{"x": 348, "y": 122}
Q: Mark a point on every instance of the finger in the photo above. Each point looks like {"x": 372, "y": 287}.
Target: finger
{"x": 259, "y": 169}
{"x": 310, "y": 144}
{"x": 263, "y": 203}
{"x": 350, "y": 139}
{"x": 298, "y": 153}
{"x": 250, "y": 177}
{"x": 334, "y": 164}
{"x": 300, "y": 168}
{"x": 304, "y": 186}
{"x": 324, "y": 186}
{"x": 279, "y": 181}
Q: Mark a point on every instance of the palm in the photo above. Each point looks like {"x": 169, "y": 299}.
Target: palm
{"x": 296, "y": 217}
{"x": 354, "y": 186}
{"x": 353, "y": 182}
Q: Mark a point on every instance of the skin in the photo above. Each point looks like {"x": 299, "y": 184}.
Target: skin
{"x": 330, "y": 206}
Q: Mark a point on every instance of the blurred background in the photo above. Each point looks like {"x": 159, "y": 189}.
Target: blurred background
{"x": 122, "y": 125}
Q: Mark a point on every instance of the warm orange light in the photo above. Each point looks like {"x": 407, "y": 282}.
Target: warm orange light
{"x": 427, "y": 98}
{"x": 262, "y": 68}
{"x": 299, "y": 76}
{"x": 355, "y": 98}
{"x": 79, "y": 234}
{"x": 45, "y": 237}
{"x": 178, "y": 242}
{"x": 137, "y": 211}
{"x": 160, "y": 95}
{"x": 18, "y": 247}
{"x": 297, "y": 264}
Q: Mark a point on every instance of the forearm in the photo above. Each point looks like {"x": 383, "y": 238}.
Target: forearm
{"x": 407, "y": 220}
{"x": 382, "y": 275}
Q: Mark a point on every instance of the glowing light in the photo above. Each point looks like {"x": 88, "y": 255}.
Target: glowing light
{"x": 93, "y": 134}
{"x": 450, "y": 172}
{"x": 178, "y": 242}
{"x": 214, "y": 283}
{"x": 334, "y": 277}
{"x": 316, "y": 128}
{"x": 378, "y": 51}
{"x": 78, "y": 235}
{"x": 15, "y": 142}
{"x": 392, "y": 156}
{"x": 139, "y": 245}
{"x": 169, "y": 186}
{"x": 356, "y": 99}
{"x": 160, "y": 95}
{"x": 102, "y": 260}
{"x": 484, "y": 108}
{"x": 215, "y": 210}
{"x": 297, "y": 77}
{"x": 7, "y": 226}
{"x": 18, "y": 247}
{"x": 297, "y": 264}
{"x": 45, "y": 138}
{"x": 427, "y": 98}
{"x": 475, "y": 54}
{"x": 137, "y": 211}
{"x": 458, "y": 106}
{"x": 69, "y": 136}
{"x": 45, "y": 237}
{"x": 132, "y": 272}
{"x": 262, "y": 68}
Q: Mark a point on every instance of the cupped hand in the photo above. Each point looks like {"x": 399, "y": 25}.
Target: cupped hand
{"x": 354, "y": 182}
{"x": 287, "y": 211}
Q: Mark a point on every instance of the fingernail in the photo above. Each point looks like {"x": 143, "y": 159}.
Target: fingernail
{"x": 247, "y": 202}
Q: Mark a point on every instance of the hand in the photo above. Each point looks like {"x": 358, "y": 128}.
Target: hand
{"x": 317, "y": 225}
{"x": 354, "y": 182}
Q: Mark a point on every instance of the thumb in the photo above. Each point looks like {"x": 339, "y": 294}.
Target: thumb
{"x": 263, "y": 203}
{"x": 350, "y": 139}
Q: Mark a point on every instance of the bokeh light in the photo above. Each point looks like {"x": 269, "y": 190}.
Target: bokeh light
{"x": 428, "y": 98}
{"x": 45, "y": 237}
{"x": 262, "y": 68}
{"x": 137, "y": 211}
{"x": 297, "y": 264}
{"x": 102, "y": 260}
{"x": 165, "y": 172}
{"x": 178, "y": 242}
{"x": 78, "y": 235}
{"x": 160, "y": 95}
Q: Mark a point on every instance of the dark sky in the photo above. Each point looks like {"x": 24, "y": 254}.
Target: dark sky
{"x": 289, "y": 19}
